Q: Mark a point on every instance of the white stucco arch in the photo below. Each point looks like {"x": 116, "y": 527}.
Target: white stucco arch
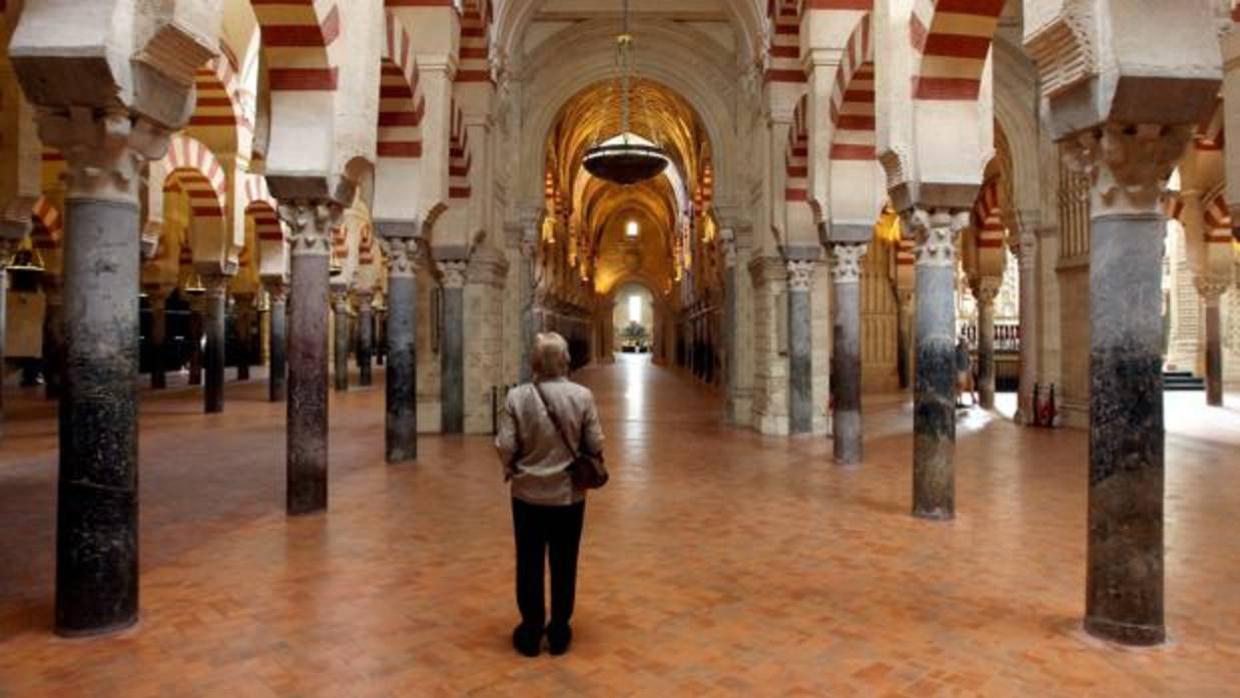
{"x": 1016, "y": 105}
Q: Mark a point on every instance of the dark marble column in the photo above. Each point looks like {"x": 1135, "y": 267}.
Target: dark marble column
{"x": 934, "y": 388}
{"x": 310, "y": 245}
{"x": 277, "y": 343}
{"x": 452, "y": 348}
{"x": 985, "y": 291}
{"x": 365, "y": 336}
{"x": 400, "y": 423}
{"x": 53, "y": 336}
{"x": 846, "y": 352}
{"x": 216, "y": 303}
{"x": 196, "y": 305}
{"x": 243, "y": 311}
{"x": 340, "y": 305}
{"x": 380, "y": 339}
{"x": 158, "y": 300}
{"x": 800, "y": 347}
{"x": 1211, "y": 290}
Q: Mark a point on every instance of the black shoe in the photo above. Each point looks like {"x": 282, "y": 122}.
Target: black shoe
{"x": 527, "y": 640}
{"x": 559, "y": 638}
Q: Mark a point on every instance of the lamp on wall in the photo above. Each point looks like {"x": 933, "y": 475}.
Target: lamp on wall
{"x": 621, "y": 159}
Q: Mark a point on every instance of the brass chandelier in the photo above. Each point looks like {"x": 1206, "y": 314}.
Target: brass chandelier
{"x": 620, "y": 159}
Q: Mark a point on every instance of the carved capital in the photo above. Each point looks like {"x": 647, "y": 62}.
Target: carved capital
{"x": 934, "y": 235}
{"x": 1127, "y": 166}
{"x": 310, "y": 224}
{"x": 340, "y": 297}
{"x": 454, "y": 273}
{"x": 216, "y": 285}
{"x": 986, "y": 289}
{"x": 402, "y": 255}
{"x": 800, "y": 275}
{"x": 846, "y": 262}
{"x": 104, "y": 150}
{"x": 1211, "y": 288}
{"x": 276, "y": 289}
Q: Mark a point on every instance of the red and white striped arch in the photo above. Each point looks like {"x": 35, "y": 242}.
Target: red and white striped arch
{"x": 295, "y": 36}
{"x": 50, "y": 231}
{"x": 192, "y": 164}
{"x": 218, "y": 108}
{"x": 340, "y": 244}
{"x": 366, "y": 246}
{"x": 260, "y": 206}
{"x": 796, "y": 155}
{"x": 1209, "y": 134}
{"x": 475, "y": 64}
{"x": 401, "y": 103}
{"x": 852, "y": 98}
{"x": 785, "y": 63}
{"x": 953, "y": 38}
{"x": 459, "y": 160}
{"x": 1218, "y": 218}
{"x": 988, "y": 216}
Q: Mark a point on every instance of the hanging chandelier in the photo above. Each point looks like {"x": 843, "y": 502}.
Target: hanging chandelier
{"x": 621, "y": 159}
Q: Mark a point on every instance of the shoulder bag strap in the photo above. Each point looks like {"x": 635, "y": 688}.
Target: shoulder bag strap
{"x": 555, "y": 421}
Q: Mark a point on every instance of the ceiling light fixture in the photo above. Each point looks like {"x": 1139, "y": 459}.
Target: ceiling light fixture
{"x": 621, "y": 159}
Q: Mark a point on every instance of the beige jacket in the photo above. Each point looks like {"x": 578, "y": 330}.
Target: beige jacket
{"x": 531, "y": 451}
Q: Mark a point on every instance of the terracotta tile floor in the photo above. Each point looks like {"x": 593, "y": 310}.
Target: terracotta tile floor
{"x": 718, "y": 562}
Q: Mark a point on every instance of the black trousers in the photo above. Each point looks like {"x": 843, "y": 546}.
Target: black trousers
{"x": 542, "y": 532}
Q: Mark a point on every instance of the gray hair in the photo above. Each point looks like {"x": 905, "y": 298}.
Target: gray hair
{"x": 549, "y": 359}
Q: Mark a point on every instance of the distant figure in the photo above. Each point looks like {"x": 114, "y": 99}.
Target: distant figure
{"x": 547, "y": 510}
{"x": 964, "y": 372}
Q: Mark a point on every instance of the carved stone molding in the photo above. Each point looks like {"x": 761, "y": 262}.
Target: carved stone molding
{"x": 454, "y": 273}
{"x": 800, "y": 275}
{"x": 104, "y": 152}
{"x": 402, "y": 254}
{"x": 934, "y": 234}
{"x": 310, "y": 224}
{"x": 846, "y": 262}
{"x": 1127, "y": 166}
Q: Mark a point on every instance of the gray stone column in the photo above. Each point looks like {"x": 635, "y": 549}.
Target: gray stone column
{"x": 1127, "y": 168}
{"x": 197, "y": 304}
{"x": 1027, "y": 257}
{"x": 310, "y": 223}
{"x": 53, "y": 336}
{"x": 800, "y": 347}
{"x": 97, "y": 510}
{"x": 158, "y": 300}
{"x": 277, "y": 342}
{"x": 400, "y": 421}
{"x": 731, "y": 365}
{"x": 244, "y": 313}
{"x": 934, "y": 387}
{"x": 846, "y": 351}
{"x": 340, "y": 305}
{"x": 1211, "y": 290}
{"x": 452, "y": 347}
{"x": 985, "y": 291}
{"x": 365, "y": 336}
{"x": 216, "y": 301}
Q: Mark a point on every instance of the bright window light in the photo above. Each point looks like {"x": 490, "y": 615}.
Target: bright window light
{"x": 630, "y": 230}
{"x": 635, "y": 309}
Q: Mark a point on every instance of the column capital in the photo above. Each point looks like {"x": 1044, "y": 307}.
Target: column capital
{"x": 402, "y": 255}
{"x": 339, "y": 294}
{"x": 1127, "y": 165}
{"x": 277, "y": 289}
{"x": 454, "y": 273}
{"x": 1211, "y": 288}
{"x": 104, "y": 149}
{"x": 800, "y": 275}
{"x": 216, "y": 284}
{"x": 846, "y": 262}
{"x": 310, "y": 222}
{"x": 934, "y": 233}
{"x": 986, "y": 289}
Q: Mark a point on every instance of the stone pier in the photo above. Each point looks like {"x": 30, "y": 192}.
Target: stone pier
{"x": 1211, "y": 290}
{"x": 452, "y": 347}
{"x": 800, "y": 347}
{"x": 244, "y": 314}
{"x": 158, "y": 301}
{"x": 365, "y": 336}
{"x": 340, "y": 307}
{"x": 985, "y": 291}
{"x": 277, "y": 343}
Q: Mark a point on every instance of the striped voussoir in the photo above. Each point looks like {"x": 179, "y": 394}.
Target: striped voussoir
{"x": 262, "y": 208}
{"x": 50, "y": 229}
{"x": 296, "y": 34}
{"x": 194, "y": 167}
{"x": 459, "y": 160}
{"x": 401, "y": 103}
{"x": 852, "y": 97}
{"x": 988, "y": 215}
{"x": 953, "y": 38}
{"x": 475, "y": 64}
{"x": 796, "y": 156}
{"x": 785, "y": 63}
{"x": 1218, "y": 217}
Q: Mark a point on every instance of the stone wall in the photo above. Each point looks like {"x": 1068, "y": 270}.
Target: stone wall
{"x": 820, "y": 357}
{"x": 484, "y": 336}
{"x": 769, "y": 400}
{"x": 430, "y": 416}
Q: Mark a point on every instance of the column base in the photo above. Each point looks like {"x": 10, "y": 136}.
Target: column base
{"x": 111, "y": 629}
{"x": 1126, "y": 633}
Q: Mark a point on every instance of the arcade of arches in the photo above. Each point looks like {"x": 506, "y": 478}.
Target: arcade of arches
{"x": 225, "y": 221}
